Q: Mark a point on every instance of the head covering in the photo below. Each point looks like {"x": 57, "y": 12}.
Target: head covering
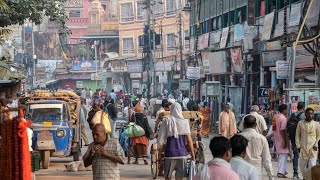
{"x": 174, "y": 125}
{"x": 202, "y": 104}
{"x": 138, "y": 108}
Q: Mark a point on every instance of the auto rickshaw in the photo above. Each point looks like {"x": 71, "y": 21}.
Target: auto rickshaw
{"x": 56, "y": 124}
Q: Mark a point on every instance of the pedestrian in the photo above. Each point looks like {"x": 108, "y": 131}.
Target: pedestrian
{"x": 113, "y": 95}
{"x": 82, "y": 118}
{"x": 261, "y": 127}
{"x": 175, "y": 140}
{"x": 166, "y": 105}
{"x": 140, "y": 144}
{"x": 257, "y": 152}
{"x": 219, "y": 168}
{"x": 185, "y": 102}
{"x": 245, "y": 170}
{"x": 281, "y": 140}
{"x": 88, "y": 96}
{"x": 104, "y": 155}
{"x": 291, "y": 129}
{"x": 307, "y": 138}
{"x": 205, "y": 125}
{"x": 227, "y": 122}
{"x": 95, "y": 108}
{"x": 112, "y": 111}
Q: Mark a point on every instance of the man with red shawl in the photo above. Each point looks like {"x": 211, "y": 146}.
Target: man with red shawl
{"x": 227, "y": 122}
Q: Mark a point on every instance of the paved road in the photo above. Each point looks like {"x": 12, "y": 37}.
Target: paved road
{"x": 58, "y": 171}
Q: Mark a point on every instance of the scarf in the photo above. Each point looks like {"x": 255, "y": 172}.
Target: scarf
{"x": 205, "y": 174}
{"x": 231, "y": 123}
{"x": 174, "y": 125}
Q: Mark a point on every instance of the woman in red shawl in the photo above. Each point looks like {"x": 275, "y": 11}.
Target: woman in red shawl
{"x": 205, "y": 111}
{"x": 140, "y": 144}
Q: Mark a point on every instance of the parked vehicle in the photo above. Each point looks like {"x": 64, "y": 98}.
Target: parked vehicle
{"x": 56, "y": 124}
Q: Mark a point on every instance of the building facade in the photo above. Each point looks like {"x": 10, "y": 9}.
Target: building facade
{"x": 243, "y": 45}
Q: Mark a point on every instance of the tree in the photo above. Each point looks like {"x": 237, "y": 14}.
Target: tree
{"x": 4, "y": 8}
{"x": 18, "y": 11}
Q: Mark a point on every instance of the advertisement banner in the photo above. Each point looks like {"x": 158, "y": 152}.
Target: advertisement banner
{"x": 283, "y": 69}
{"x": 184, "y": 85}
{"x": 224, "y": 37}
{"x": 236, "y": 59}
{"x": 193, "y": 73}
{"x": 267, "y": 26}
{"x": 295, "y": 14}
{"x": 203, "y": 41}
{"x": 118, "y": 66}
{"x": 263, "y": 97}
{"x": 86, "y": 65}
{"x": 239, "y": 32}
{"x": 134, "y": 66}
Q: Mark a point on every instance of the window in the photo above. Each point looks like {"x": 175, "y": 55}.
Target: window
{"x": 127, "y": 12}
{"x": 178, "y": 4}
{"x": 74, "y": 14}
{"x": 171, "y": 42}
{"x": 158, "y": 8}
{"x": 93, "y": 18}
{"x": 127, "y": 46}
{"x": 171, "y": 8}
{"x": 141, "y": 11}
{"x": 140, "y": 48}
{"x": 186, "y": 42}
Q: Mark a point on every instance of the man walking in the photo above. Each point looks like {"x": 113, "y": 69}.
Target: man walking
{"x": 245, "y": 170}
{"x": 307, "y": 137}
{"x": 261, "y": 127}
{"x": 227, "y": 122}
{"x": 257, "y": 152}
{"x": 281, "y": 140}
{"x": 291, "y": 129}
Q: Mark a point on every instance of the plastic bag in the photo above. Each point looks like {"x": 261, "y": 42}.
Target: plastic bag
{"x": 134, "y": 130}
{"x": 192, "y": 170}
{"x": 102, "y": 117}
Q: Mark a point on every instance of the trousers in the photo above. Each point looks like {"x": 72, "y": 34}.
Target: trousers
{"x": 282, "y": 163}
{"x": 307, "y": 162}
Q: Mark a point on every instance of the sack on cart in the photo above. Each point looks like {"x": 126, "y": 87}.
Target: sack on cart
{"x": 102, "y": 117}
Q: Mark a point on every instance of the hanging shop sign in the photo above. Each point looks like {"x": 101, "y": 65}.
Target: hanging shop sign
{"x": 267, "y": 26}
{"x": 269, "y": 58}
{"x": 134, "y": 66}
{"x": 213, "y": 88}
{"x": 79, "y": 84}
{"x": 214, "y": 62}
{"x": 263, "y": 97}
{"x": 236, "y": 59}
{"x": 118, "y": 66}
{"x": 283, "y": 69}
{"x": 224, "y": 37}
{"x": 163, "y": 79}
{"x": 165, "y": 66}
{"x": 239, "y": 32}
{"x": 135, "y": 84}
{"x": 193, "y": 73}
{"x": 203, "y": 41}
{"x": 214, "y": 38}
{"x": 184, "y": 85}
{"x": 295, "y": 14}
{"x": 135, "y": 75}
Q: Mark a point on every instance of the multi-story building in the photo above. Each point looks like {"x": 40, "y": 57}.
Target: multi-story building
{"x": 167, "y": 15}
{"x": 250, "y": 59}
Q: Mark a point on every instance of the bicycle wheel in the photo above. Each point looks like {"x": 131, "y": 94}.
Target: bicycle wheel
{"x": 154, "y": 163}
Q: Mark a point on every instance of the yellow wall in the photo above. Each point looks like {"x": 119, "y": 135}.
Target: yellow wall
{"x": 135, "y": 29}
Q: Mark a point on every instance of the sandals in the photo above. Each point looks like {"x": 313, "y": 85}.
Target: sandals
{"x": 135, "y": 162}
{"x": 279, "y": 175}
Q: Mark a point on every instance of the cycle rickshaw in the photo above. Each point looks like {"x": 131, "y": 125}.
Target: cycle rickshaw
{"x": 157, "y": 159}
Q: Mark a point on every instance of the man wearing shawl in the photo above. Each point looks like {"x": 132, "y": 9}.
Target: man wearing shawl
{"x": 175, "y": 134}
{"x": 227, "y": 122}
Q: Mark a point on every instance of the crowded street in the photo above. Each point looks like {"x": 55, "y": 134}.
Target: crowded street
{"x": 159, "y": 89}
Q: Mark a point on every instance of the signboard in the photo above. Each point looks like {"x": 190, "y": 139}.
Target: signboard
{"x": 163, "y": 79}
{"x": 118, "y": 66}
{"x": 176, "y": 76}
{"x": 104, "y": 77}
{"x": 165, "y": 66}
{"x": 270, "y": 58}
{"x": 79, "y": 84}
{"x": 295, "y": 14}
{"x": 135, "y": 84}
{"x": 236, "y": 59}
{"x": 267, "y": 26}
{"x": 184, "y": 85}
{"x": 213, "y": 88}
{"x": 87, "y": 65}
{"x": 273, "y": 46}
{"x": 263, "y": 97}
{"x": 238, "y": 32}
{"x": 193, "y": 73}
{"x": 135, "y": 75}
{"x": 134, "y": 66}
{"x": 214, "y": 62}
{"x": 215, "y": 38}
{"x": 283, "y": 69}
{"x": 224, "y": 37}
{"x": 203, "y": 41}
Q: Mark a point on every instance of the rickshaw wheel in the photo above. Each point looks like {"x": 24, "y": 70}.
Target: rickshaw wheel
{"x": 45, "y": 159}
{"x": 154, "y": 164}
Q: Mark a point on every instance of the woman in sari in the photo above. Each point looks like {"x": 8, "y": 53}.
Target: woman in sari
{"x": 140, "y": 144}
{"x": 205, "y": 111}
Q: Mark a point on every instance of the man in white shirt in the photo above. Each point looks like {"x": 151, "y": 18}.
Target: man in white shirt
{"x": 257, "y": 152}
{"x": 261, "y": 126}
{"x": 113, "y": 95}
{"x": 245, "y": 170}
{"x": 185, "y": 102}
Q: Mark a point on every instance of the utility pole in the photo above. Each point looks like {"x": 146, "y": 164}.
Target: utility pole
{"x": 182, "y": 62}
{"x": 153, "y": 45}
{"x": 96, "y": 61}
